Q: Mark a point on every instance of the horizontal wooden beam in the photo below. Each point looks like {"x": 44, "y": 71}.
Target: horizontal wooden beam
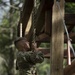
{"x": 70, "y": 19}
{"x": 42, "y": 37}
{"x": 70, "y": 28}
{"x": 45, "y": 38}
{"x": 72, "y": 36}
{"x": 46, "y": 52}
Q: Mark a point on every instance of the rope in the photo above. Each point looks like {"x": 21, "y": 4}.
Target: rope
{"x": 33, "y": 70}
{"x": 34, "y": 13}
{"x": 33, "y": 20}
{"x": 66, "y": 29}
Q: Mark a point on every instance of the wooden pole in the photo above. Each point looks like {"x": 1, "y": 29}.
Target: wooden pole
{"x": 57, "y": 42}
{"x": 20, "y": 29}
{"x": 69, "y": 55}
{"x": 48, "y": 17}
{"x": 48, "y": 22}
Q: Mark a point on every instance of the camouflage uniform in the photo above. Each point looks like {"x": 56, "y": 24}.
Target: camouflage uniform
{"x": 25, "y": 60}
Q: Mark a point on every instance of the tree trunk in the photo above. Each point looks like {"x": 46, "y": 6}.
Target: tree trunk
{"x": 11, "y": 52}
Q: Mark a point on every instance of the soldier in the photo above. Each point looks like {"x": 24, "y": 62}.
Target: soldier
{"x": 26, "y": 58}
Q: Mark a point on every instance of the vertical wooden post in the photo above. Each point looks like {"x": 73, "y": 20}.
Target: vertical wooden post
{"x": 48, "y": 16}
{"x": 57, "y": 41}
{"x": 48, "y": 22}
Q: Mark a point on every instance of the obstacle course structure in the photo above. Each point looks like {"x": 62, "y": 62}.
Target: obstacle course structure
{"x": 50, "y": 27}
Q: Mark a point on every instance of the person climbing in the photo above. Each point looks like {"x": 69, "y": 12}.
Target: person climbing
{"x": 26, "y": 57}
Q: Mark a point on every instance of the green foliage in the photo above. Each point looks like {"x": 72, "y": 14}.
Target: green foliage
{"x": 45, "y": 45}
{"x": 8, "y": 27}
{"x": 3, "y": 66}
{"x": 44, "y": 67}
{"x": 70, "y": 7}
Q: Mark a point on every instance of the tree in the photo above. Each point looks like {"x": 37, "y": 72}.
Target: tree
{"x": 8, "y": 31}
